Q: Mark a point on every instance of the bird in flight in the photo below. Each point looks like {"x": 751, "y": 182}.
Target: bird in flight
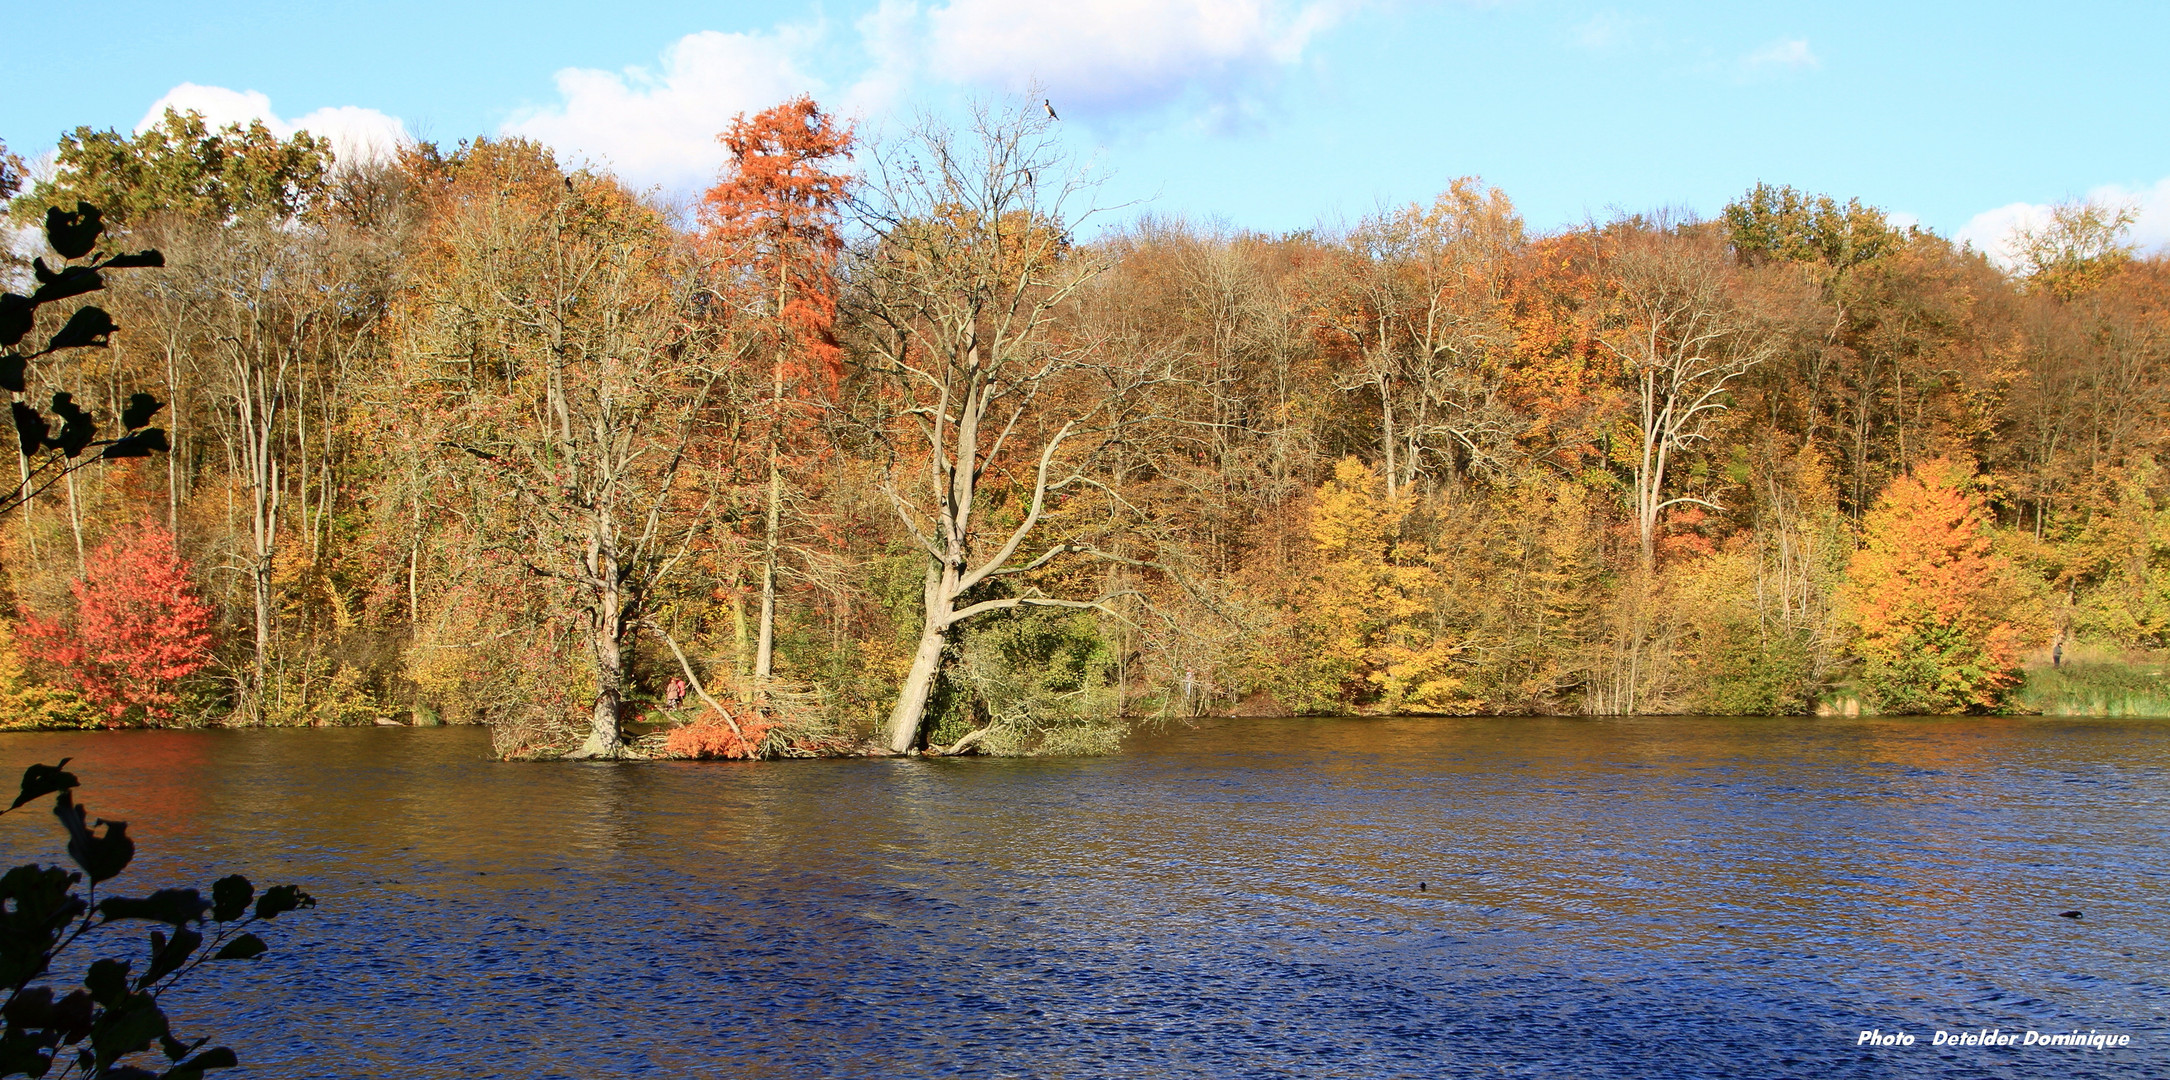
{"x": 1050, "y": 109}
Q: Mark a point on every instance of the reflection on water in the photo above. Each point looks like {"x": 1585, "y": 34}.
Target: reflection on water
{"x": 1604, "y": 898}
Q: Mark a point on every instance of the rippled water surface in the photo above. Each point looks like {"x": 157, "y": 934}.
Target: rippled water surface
{"x": 1663, "y": 898}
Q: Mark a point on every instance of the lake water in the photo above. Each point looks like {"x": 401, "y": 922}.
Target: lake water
{"x": 1604, "y": 898}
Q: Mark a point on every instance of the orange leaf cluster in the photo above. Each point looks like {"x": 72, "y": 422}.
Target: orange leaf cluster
{"x": 775, "y": 213}
{"x": 709, "y": 737}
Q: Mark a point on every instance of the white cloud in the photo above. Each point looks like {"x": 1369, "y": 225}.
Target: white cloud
{"x": 1792, "y": 54}
{"x": 1120, "y": 54}
{"x": 356, "y": 133}
{"x": 2152, "y": 230}
{"x": 1990, "y": 232}
{"x": 889, "y": 35}
{"x": 659, "y": 127}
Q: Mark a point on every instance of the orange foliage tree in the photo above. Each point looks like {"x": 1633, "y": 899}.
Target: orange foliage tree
{"x": 139, "y": 627}
{"x": 719, "y": 735}
{"x": 1931, "y": 598}
{"x": 774, "y": 217}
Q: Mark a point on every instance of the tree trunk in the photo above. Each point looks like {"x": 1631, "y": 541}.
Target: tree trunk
{"x": 764, "y": 660}
{"x": 414, "y": 571}
{"x": 173, "y": 435}
{"x": 259, "y": 389}
{"x": 263, "y": 534}
{"x": 911, "y": 708}
{"x": 1387, "y": 437}
{"x": 30, "y": 536}
{"x": 603, "y": 739}
{"x": 609, "y": 624}
{"x": 1649, "y": 475}
{"x": 75, "y": 525}
{"x": 740, "y": 651}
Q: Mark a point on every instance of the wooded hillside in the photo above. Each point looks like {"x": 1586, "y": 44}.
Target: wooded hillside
{"x": 905, "y": 441}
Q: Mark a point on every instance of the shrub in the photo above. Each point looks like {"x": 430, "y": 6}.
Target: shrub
{"x": 708, "y": 736}
{"x": 29, "y": 705}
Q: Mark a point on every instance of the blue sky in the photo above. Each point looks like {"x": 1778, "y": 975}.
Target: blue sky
{"x": 1272, "y": 114}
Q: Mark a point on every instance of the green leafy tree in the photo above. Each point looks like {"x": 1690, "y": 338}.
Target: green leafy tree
{"x": 1789, "y": 225}
{"x": 2122, "y": 558}
{"x": 2077, "y": 249}
{"x": 181, "y": 166}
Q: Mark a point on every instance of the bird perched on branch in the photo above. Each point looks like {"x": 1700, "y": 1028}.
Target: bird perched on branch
{"x": 1050, "y": 109}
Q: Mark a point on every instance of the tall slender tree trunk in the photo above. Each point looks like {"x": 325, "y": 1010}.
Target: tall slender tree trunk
{"x": 75, "y": 526}
{"x": 173, "y": 433}
{"x": 741, "y": 640}
{"x": 259, "y": 393}
{"x": 263, "y": 526}
{"x": 30, "y": 534}
{"x": 1387, "y": 436}
{"x": 911, "y": 708}
{"x": 765, "y": 651}
{"x": 764, "y": 660}
{"x": 1650, "y": 469}
{"x": 301, "y": 450}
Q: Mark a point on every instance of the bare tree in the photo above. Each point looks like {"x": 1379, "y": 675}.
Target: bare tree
{"x": 969, "y": 257}
{"x": 1681, "y": 341}
{"x": 554, "y": 356}
{"x": 1415, "y": 300}
{"x": 251, "y": 291}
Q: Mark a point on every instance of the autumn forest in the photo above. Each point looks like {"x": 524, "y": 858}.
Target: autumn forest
{"x": 904, "y": 442}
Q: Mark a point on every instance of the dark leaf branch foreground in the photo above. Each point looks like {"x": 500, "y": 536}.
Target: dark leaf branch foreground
{"x": 114, "y": 1013}
{"x": 59, "y": 449}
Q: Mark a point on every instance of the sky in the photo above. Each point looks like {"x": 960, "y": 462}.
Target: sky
{"x": 1967, "y": 118}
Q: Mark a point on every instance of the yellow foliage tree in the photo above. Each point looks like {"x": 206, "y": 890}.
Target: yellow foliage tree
{"x": 2124, "y": 553}
{"x": 1371, "y": 615}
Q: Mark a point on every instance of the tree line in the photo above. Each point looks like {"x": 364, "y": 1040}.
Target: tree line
{"x": 906, "y": 443}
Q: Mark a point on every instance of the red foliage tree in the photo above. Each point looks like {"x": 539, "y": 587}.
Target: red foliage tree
{"x": 139, "y": 627}
{"x": 709, "y": 736}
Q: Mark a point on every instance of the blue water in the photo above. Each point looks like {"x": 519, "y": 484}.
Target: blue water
{"x": 1624, "y": 898}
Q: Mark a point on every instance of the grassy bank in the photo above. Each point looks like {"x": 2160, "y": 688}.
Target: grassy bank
{"x": 2099, "y": 688}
